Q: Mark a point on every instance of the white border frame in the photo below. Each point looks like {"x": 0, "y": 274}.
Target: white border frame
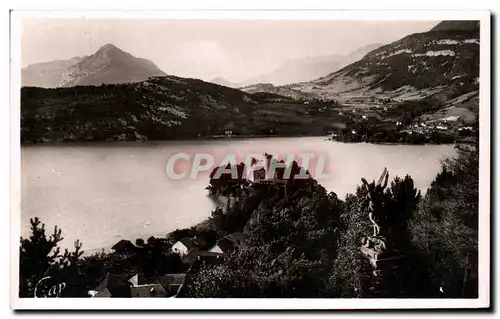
{"x": 178, "y": 304}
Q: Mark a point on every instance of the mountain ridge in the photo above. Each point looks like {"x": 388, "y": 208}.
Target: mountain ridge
{"x": 163, "y": 108}
{"x": 424, "y": 76}
{"x": 108, "y": 65}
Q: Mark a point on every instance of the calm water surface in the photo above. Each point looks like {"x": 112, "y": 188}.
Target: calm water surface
{"x": 101, "y": 193}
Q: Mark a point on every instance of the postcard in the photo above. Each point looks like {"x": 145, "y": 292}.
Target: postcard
{"x": 250, "y": 159}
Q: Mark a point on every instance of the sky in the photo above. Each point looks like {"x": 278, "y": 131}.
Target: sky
{"x": 206, "y": 49}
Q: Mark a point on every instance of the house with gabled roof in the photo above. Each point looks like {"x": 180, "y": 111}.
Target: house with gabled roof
{"x": 124, "y": 248}
{"x": 184, "y": 246}
{"x": 227, "y": 244}
{"x": 167, "y": 285}
{"x": 112, "y": 285}
{"x": 223, "y": 246}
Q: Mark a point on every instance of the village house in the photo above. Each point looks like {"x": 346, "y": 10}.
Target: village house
{"x": 101, "y": 290}
{"x": 227, "y": 244}
{"x": 198, "y": 257}
{"x": 137, "y": 279}
{"x": 124, "y": 248}
{"x": 184, "y": 246}
{"x": 167, "y": 285}
{"x": 113, "y": 285}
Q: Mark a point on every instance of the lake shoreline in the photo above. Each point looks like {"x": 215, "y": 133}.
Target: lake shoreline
{"x": 180, "y": 139}
{"x": 100, "y": 193}
{"x": 212, "y": 138}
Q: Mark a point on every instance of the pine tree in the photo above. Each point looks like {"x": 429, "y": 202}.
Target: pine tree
{"x": 37, "y": 255}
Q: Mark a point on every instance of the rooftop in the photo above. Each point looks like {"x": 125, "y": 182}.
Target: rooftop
{"x": 188, "y": 242}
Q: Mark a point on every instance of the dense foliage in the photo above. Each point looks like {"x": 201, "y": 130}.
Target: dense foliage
{"x": 445, "y": 227}
{"x": 306, "y": 243}
{"x": 301, "y": 241}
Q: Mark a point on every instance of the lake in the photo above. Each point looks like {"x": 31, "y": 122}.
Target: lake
{"x": 103, "y": 192}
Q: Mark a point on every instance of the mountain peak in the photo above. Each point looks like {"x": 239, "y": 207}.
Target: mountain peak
{"x": 110, "y": 50}
{"x": 108, "y": 65}
{"x": 452, "y": 25}
{"x": 108, "y": 46}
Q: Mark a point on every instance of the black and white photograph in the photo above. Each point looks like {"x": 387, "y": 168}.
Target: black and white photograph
{"x": 300, "y": 159}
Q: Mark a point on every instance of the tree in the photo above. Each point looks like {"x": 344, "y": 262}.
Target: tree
{"x": 37, "y": 254}
{"x": 289, "y": 247}
{"x": 40, "y": 257}
{"x": 445, "y": 227}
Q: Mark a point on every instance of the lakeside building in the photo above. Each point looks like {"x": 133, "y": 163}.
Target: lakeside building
{"x": 184, "y": 246}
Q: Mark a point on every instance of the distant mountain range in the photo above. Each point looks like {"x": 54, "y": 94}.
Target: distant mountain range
{"x": 108, "y": 65}
{"x": 438, "y": 68}
{"x": 442, "y": 63}
{"x": 301, "y": 70}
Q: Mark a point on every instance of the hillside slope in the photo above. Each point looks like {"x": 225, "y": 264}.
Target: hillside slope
{"x": 443, "y": 63}
{"x": 163, "y": 108}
